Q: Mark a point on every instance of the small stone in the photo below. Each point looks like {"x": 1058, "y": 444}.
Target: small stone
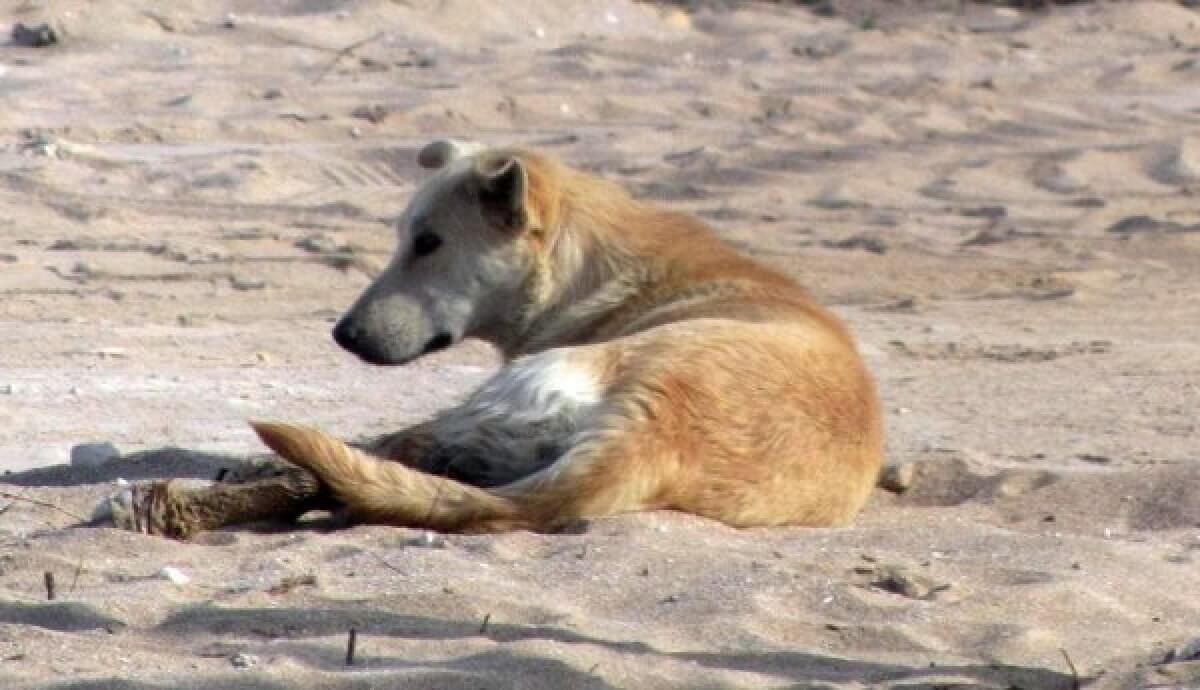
{"x": 246, "y": 284}
{"x": 39, "y": 36}
{"x": 175, "y": 575}
{"x": 321, "y": 243}
{"x": 898, "y": 580}
{"x": 93, "y": 454}
{"x": 898, "y": 478}
{"x": 1188, "y": 651}
{"x": 864, "y": 241}
{"x": 819, "y": 46}
{"x": 240, "y": 660}
{"x": 991, "y": 212}
{"x": 230, "y": 21}
{"x": 373, "y": 113}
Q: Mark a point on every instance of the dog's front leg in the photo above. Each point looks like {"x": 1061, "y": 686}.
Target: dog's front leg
{"x": 258, "y": 492}
{"x": 179, "y": 509}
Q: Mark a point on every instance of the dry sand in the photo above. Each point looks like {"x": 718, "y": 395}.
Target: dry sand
{"x": 1003, "y": 205}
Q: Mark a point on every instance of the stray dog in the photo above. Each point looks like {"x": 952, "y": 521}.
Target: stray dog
{"x": 649, "y": 366}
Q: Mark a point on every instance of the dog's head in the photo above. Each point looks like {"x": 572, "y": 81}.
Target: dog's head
{"x": 467, "y": 247}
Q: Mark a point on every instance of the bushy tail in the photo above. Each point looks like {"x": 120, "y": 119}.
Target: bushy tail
{"x": 386, "y": 492}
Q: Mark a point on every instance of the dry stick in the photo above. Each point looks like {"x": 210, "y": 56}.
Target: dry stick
{"x": 389, "y": 565}
{"x": 344, "y": 52}
{"x": 1074, "y": 671}
{"x": 48, "y": 577}
{"x": 351, "y": 643}
{"x": 75, "y": 580}
{"x": 44, "y": 504}
{"x": 483, "y": 627}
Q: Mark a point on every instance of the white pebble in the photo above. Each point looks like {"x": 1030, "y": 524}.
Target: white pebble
{"x": 175, "y": 575}
{"x": 240, "y": 660}
{"x": 430, "y": 540}
{"x": 93, "y": 454}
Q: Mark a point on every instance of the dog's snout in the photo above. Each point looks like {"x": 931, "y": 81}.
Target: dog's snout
{"x": 346, "y": 335}
{"x": 440, "y": 341}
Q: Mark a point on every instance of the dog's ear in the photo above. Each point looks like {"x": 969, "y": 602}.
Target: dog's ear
{"x": 436, "y": 154}
{"x": 503, "y": 183}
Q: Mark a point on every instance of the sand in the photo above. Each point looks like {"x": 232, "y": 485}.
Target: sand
{"x": 1003, "y": 205}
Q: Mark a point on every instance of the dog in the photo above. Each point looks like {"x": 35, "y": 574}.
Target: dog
{"x": 648, "y": 366}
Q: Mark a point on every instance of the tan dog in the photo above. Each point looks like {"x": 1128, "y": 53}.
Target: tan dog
{"x": 649, "y": 367}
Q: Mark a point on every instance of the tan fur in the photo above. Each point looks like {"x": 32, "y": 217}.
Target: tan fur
{"x": 725, "y": 391}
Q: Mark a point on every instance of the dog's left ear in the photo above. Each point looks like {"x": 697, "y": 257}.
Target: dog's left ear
{"x": 437, "y": 154}
{"x": 503, "y": 183}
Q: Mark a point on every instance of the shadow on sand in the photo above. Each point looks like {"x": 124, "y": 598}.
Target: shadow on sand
{"x": 160, "y": 463}
{"x": 286, "y": 632}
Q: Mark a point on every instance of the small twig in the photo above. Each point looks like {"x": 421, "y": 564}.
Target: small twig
{"x": 8, "y": 507}
{"x": 483, "y": 626}
{"x": 48, "y": 577}
{"x": 351, "y": 643}
{"x": 74, "y": 580}
{"x": 391, "y": 567}
{"x": 1074, "y": 671}
{"x": 344, "y": 52}
{"x": 44, "y": 504}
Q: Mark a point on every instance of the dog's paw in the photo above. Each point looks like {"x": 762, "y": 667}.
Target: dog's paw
{"x": 126, "y": 509}
{"x": 150, "y": 508}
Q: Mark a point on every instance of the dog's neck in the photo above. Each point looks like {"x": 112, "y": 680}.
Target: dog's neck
{"x": 581, "y": 290}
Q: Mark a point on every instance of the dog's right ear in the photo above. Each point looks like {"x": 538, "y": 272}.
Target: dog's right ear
{"x": 437, "y": 154}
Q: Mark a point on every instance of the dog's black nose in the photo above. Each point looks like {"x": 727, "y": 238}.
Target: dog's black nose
{"x": 346, "y": 335}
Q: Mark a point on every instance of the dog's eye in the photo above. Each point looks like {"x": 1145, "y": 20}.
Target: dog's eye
{"x": 426, "y": 243}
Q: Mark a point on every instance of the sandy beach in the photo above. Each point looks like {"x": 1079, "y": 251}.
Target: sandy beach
{"x": 1003, "y": 204}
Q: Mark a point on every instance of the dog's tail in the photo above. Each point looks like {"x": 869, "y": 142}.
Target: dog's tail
{"x": 387, "y": 492}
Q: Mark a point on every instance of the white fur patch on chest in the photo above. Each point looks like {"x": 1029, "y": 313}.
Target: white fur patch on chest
{"x": 549, "y": 384}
